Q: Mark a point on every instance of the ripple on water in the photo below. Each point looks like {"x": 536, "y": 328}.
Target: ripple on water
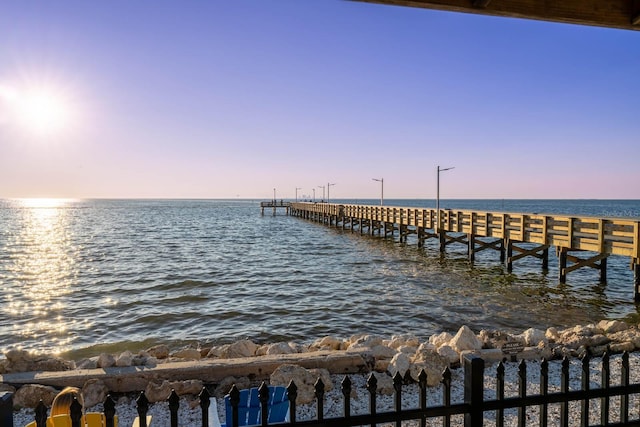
{"x": 108, "y": 274}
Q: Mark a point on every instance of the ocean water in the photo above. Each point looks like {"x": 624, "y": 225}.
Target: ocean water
{"x": 79, "y": 277}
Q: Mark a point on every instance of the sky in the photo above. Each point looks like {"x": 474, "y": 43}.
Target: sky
{"x": 233, "y": 99}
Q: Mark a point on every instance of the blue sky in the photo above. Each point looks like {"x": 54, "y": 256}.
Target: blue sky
{"x": 216, "y": 99}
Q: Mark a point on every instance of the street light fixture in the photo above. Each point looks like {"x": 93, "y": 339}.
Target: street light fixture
{"x": 381, "y": 181}
{"x": 314, "y": 194}
{"x": 297, "y": 188}
{"x": 274, "y": 195}
{"x": 438, "y": 196}
{"x": 322, "y": 186}
{"x": 329, "y": 185}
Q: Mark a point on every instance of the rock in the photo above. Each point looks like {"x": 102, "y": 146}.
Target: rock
{"x": 159, "y": 351}
{"x": 188, "y": 387}
{"x": 242, "y": 348}
{"x": 217, "y": 351}
{"x": 324, "y": 375}
{"x": 383, "y": 352}
{"x": 158, "y": 391}
{"x": 465, "y": 339}
{"x": 29, "y": 395}
{"x": 622, "y": 347}
{"x": 440, "y": 339}
{"x": 552, "y": 334}
{"x": 381, "y": 365}
{"x": 399, "y": 364}
{"x": 302, "y": 378}
{"x": 532, "y": 337}
{"x": 124, "y": 359}
{"x": 225, "y": 385}
{"x": 598, "y": 351}
{"x": 449, "y": 354}
{"x": 106, "y": 361}
{"x": 612, "y": 326}
{"x": 326, "y": 343}
{"x": 403, "y": 340}
{"x": 364, "y": 341}
{"x": 409, "y": 350}
{"x": 384, "y": 383}
{"x": 23, "y": 361}
{"x": 631, "y": 334}
{"x": 141, "y": 360}
{"x": 94, "y": 391}
{"x": 91, "y": 363}
{"x": 187, "y": 353}
{"x": 280, "y": 348}
{"x": 433, "y": 364}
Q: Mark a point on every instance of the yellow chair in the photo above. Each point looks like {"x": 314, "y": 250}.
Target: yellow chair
{"x": 62, "y": 420}
{"x": 97, "y": 419}
{"x": 90, "y": 419}
{"x": 94, "y": 419}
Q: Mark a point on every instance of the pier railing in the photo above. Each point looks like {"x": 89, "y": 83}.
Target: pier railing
{"x": 603, "y": 394}
{"x": 613, "y": 236}
{"x": 526, "y": 234}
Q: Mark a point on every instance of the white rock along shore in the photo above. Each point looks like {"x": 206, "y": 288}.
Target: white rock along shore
{"x": 398, "y": 354}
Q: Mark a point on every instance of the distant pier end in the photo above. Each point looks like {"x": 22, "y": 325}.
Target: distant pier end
{"x": 275, "y": 204}
{"x": 514, "y": 235}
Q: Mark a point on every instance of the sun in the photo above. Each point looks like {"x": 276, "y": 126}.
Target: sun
{"x": 41, "y": 110}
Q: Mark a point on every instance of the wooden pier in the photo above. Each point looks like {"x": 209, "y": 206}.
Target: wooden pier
{"x": 275, "y": 204}
{"x": 579, "y": 241}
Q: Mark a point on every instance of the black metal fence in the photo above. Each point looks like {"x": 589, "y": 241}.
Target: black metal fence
{"x": 556, "y": 405}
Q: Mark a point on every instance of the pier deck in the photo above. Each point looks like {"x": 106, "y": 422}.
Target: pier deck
{"x": 275, "y": 204}
{"x": 595, "y": 237}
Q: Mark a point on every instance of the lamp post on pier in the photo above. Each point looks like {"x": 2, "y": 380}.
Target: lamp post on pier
{"x": 329, "y": 185}
{"x": 314, "y": 194}
{"x": 438, "y": 196}
{"x": 381, "y": 181}
{"x": 274, "y": 196}
{"x": 297, "y": 188}
{"x": 322, "y": 186}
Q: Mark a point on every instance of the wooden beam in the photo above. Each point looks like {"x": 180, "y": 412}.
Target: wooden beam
{"x": 481, "y": 3}
{"x": 621, "y": 14}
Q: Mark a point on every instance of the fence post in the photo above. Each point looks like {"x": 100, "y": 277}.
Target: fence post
{"x": 473, "y": 390}
{"x": 6, "y": 409}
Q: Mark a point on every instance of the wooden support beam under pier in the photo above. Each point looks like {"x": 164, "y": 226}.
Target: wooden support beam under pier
{"x": 598, "y": 262}
{"x": 540, "y": 252}
{"x": 521, "y": 234}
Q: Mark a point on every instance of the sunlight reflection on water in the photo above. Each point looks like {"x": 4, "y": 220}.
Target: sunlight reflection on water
{"x": 43, "y": 262}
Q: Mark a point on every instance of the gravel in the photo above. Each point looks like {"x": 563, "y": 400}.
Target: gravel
{"x": 190, "y": 413}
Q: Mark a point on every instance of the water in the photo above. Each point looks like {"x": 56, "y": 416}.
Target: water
{"x": 83, "y": 276}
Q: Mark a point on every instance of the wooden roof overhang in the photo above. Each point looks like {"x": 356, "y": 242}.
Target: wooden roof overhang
{"x": 621, "y": 14}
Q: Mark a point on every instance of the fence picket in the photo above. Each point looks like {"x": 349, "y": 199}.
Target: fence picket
{"x": 564, "y": 389}
{"x": 605, "y": 384}
{"x": 584, "y": 404}
{"x": 522, "y": 392}
{"x": 473, "y": 407}
{"x": 544, "y": 391}
{"x": 500, "y": 393}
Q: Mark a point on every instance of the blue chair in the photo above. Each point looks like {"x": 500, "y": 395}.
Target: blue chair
{"x": 249, "y": 409}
